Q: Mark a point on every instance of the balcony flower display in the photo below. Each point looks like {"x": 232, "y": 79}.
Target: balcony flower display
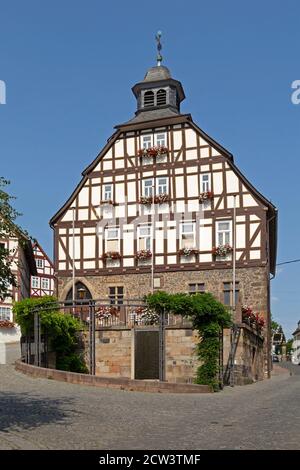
{"x": 205, "y": 196}
{"x": 188, "y": 252}
{"x": 222, "y": 250}
{"x": 105, "y": 311}
{"x": 6, "y": 324}
{"x": 159, "y": 199}
{"x": 156, "y": 151}
{"x": 251, "y": 318}
{"x": 111, "y": 255}
{"x": 143, "y": 254}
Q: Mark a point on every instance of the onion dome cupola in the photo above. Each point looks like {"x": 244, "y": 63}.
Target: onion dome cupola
{"x": 158, "y": 95}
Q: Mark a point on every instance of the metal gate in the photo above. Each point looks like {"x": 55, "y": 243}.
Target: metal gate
{"x": 146, "y": 354}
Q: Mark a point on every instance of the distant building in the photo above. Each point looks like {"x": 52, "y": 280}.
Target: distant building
{"x": 296, "y": 345}
{"x": 43, "y": 282}
{"x": 23, "y": 267}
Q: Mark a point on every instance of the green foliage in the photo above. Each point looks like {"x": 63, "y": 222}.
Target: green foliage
{"x": 208, "y": 317}
{"x": 8, "y": 228}
{"x": 289, "y": 346}
{"x": 61, "y": 329}
{"x": 72, "y": 362}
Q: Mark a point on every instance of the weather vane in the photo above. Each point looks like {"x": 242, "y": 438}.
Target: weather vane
{"x": 159, "y": 47}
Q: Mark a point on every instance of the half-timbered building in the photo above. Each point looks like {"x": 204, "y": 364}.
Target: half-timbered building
{"x": 164, "y": 206}
{"x": 43, "y": 283}
{"x": 23, "y": 267}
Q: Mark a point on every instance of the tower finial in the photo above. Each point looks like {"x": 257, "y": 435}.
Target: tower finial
{"x": 159, "y": 47}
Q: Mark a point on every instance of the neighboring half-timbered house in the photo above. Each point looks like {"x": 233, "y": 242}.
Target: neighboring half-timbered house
{"x": 23, "y": 267}
{"x": 44, "y": 281}
{"x": 161, "y": 161}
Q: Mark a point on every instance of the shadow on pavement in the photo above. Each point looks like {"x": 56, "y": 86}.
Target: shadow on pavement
{"x": 28, "y": 411}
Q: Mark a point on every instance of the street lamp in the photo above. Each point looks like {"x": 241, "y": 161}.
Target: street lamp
{"x": 81, "y": 293}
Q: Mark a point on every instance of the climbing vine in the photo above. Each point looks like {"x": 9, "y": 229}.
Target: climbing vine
{"x": 61, "y": 330}
{"x": 208, "y": 317}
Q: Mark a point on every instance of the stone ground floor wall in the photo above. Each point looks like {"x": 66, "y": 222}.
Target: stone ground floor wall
{"x": 115, "y": 354}
{"x": 248, "y": 355}
{"x": 253, "y": 286}
{"x": 115, "y": 350}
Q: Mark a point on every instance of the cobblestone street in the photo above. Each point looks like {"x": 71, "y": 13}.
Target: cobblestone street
{"x": 43, "y": 414}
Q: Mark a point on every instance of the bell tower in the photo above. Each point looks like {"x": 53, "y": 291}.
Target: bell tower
{"x": 158, "y": 95}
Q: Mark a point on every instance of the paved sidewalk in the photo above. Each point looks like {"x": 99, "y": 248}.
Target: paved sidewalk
{"x": 44, "y": 414}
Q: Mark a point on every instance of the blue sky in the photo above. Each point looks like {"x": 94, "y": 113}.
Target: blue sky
{"x": 69, "y": 67}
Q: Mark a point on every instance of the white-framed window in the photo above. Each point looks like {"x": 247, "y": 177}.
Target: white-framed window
{"x": 39, "y": 263}
{"x": 162, "y": 185}
{"x": 144, "y": 237}
{"x": 45, "y": 283}
{"x": 148, "y": 187}
{"x": 224, "y": 232}
{"x": 5, "y": 313}
{"x": 161, "y": 139}
{"x": 35, "y": 282}
{"x": 205, "y": 182}
{"x": 112, "y": 239}
{"x": 187, "y": 235}
{"x": 107, "y": 192}
{"x": 146, "y": 141}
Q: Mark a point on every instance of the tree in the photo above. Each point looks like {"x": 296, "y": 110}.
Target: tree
{"x": 8, "y": 228}
{"x": 289, "y": 347}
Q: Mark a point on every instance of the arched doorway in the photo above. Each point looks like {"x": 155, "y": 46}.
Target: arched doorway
{"x": 82, "y": 295}
{"x": 81, "y": 292}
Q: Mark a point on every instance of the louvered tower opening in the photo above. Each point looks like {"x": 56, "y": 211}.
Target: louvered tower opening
{"x": 161, "y": 97}
{"x": 148, "y": 99}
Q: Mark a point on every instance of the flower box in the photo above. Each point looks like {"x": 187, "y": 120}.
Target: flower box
{"x": 153, "y": 152}
{"x": 222, "y": 250}
{"x": 159, "y": 199}
{"x": 111, "y": 255}
{"x": 254, "y": 320}
{"x": 205, "y": 196}
{"x": 7, "y": 324}
{"x": 143, "y": 254}
{"x": 186, "y": 252}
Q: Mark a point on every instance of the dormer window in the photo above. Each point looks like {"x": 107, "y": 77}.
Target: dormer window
{"x": 148, "y": 99}
{"x": 161, "y": 98}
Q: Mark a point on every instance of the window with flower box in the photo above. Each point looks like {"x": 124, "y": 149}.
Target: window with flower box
{"x": 144, "y": 237}
{"x": 107, "y": 192}
{"x": 112, "y": 239}
{"x": 146, "y": 141}
{"x": 224, "y": 232}
{"x": 162, "y": 185}
{"x": 5, "y": 313}
{"x": 187, "y": 235}
{"x": 161, "y": 140}
{"x": 205, "y": 182}
{"x": 148, "y": 187}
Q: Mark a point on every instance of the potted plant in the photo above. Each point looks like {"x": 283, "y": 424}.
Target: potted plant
{"x": 7, "y": 324}
{"x": 143, "y": 254}
{"x": 111, "y": 255}
{"x": 222, "y": 250}
{"x": 205, "y": 196}
{"x": 186, "y": 252}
